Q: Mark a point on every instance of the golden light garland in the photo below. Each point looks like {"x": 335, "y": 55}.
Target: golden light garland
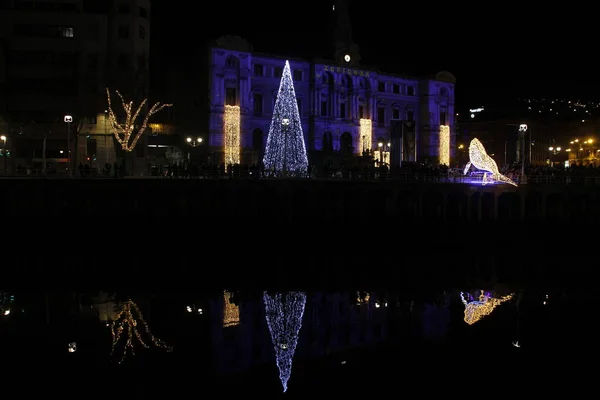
{"x": 444, "y": 145}
{"x": 127, "y": 325}
{"x": 366, "y": 135}
{"x": 476, "y": 310}
{"x": 125, "y": 133}
{"x": 383, "y": 156}
{"x": 479, "y": 158}
{"x": 231, "y": 311}
{"x": 231, "y": 131}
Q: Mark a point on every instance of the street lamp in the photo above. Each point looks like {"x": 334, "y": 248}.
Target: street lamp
{"x": 3, "y": 138}
{"x": 522, "y": 131}
{"x": 193, "y": 143}
{"x": 285, "y": 126}
{"x": 68, "y": 119}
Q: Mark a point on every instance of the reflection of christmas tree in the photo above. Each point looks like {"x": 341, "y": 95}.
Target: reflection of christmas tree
{"x": 285, "y": 151}
{"x": 127, "y": 326}
{"x": 284, "y": 318}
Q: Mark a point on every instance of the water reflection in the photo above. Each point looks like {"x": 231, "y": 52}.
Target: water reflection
{"x": 284, "y": 314}
{"x": 233, "y": 331}
{"x": 482, "y": 306}
{"x": 130, "y": 326}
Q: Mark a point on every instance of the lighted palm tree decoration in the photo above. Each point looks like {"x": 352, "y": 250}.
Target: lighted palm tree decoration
{"x": 125, "y": 133}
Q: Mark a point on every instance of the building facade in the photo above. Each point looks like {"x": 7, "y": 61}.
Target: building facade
{"x": 344, "y": 106}
{"x": 56, "y": 59}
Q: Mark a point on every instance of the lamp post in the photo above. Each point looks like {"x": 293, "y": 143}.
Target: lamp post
{"x": 3, "y": 138}
{"x": 193, "y": 143}
{"x": 285, "y": 125}
{"x": 522, "y": 132}
{"x": 68, "y": 119}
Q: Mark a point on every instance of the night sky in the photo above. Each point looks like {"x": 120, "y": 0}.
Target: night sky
{"x": 492, "y": 51}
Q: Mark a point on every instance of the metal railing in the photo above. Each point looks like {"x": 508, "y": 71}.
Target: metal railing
{"x": 370, "y": 176}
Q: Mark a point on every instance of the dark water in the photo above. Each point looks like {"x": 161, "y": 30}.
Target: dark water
{"x": 349, "y": 340}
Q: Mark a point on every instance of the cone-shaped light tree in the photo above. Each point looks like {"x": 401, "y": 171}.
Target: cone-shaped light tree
{"x": 284, "y": 312}
{"x": 285, "y": 152}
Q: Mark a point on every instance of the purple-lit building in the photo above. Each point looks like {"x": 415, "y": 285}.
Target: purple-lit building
{"x": 335, "y": 98}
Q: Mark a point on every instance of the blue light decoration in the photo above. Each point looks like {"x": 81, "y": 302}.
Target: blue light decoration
{"x": 284, "y": 314}
{"x": 285, "y": 152}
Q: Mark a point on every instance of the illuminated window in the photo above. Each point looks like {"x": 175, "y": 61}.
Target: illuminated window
{"x": 231, "y": 311}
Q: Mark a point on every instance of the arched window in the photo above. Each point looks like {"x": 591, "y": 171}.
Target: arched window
{"x": 232, "y": 62}
{"x": 346, "y": 143}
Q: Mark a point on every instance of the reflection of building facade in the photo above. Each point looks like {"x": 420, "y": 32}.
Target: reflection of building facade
{"x": 344, "y": 107}
{"x": 56, "y": 58}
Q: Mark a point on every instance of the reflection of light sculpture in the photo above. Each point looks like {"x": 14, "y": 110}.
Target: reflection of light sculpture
{"x": 284, "y": 318}
{"x": 231, "y": 311}
{"x": 482, "y": 161}
{"x": 476, "y": 310}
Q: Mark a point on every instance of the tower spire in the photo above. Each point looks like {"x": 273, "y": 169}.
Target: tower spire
{"x": 346, "y": 51}
{"x": 342, "y": 35}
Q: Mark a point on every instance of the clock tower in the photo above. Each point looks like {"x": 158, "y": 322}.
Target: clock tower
{"x": 346, "y": 51}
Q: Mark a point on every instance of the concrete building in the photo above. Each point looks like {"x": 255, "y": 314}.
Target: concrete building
{"x": 56, "y": 59}
{"x": 344, "y": 106}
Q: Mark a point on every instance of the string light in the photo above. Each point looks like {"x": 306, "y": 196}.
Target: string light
{"x": 366, "y": 134}
{"x": 516, "y": 343}
{"x": 231, "y": 122}
{"x": 127, "y": 325}
{"x": 476, "y": 310}
{"x": 125, "y": 133}
{"x": 444, "y": 145}
{"x": 479, "y": 158}
{"x": 284, "y": 318}
{"x": 231, "y": 311}
{"x": 285, "y": 151}
{"x": 384, "y": 156}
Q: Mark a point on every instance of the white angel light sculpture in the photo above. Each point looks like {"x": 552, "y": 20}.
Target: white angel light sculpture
{"x": 479, "y": 158}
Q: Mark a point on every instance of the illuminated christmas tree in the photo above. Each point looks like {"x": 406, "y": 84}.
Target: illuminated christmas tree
{"x": 284, "y": 318}
{"x": 130, "y": 326}
{"x": 285, "y": 152}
